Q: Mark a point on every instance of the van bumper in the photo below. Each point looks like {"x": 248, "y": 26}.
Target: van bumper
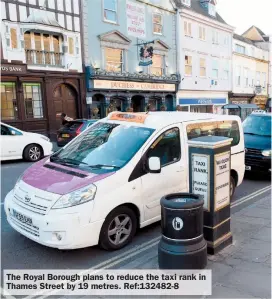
{"x": 258, "y": 164}
{"x": 56, "y": 230}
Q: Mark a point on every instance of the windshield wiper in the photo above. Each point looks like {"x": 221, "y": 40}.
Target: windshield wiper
{"x": 67, "y": 161}
{"x": 104, "y": 165}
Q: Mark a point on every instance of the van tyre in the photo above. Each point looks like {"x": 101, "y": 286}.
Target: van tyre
{"x": 232, "y": 187}
{"x": 32, "y": 153}
{"x": 118, "y": 229}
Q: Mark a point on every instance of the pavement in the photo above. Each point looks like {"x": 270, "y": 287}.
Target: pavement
{"x": 241, "y": 270}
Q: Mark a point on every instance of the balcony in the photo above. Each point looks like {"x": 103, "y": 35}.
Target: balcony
{"x": 44, "y": 58}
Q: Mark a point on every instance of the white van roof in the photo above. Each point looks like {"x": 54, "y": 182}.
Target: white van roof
{"x": 162, "y": 119}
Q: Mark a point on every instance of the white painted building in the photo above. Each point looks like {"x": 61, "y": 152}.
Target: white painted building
{"x": 204, "y": 41}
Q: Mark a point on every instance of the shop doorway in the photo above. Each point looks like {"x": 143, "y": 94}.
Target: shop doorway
{"x": 202, "y": 109}
{"x": 154, "y": 104}
{"x": 96, "y": 110}
{"x": 116, "y": 104}
{"x": 65, "y": 100}
{"x": 137, "y": 103}
{"x": 169, "y": 103}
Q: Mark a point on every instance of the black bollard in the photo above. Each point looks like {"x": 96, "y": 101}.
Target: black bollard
{"x": 182, "y": 245}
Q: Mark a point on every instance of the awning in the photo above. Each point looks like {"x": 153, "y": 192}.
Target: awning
{"x": 240, "y": 106}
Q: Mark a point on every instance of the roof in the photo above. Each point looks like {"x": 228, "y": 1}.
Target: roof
{"x": 198, "y": 8}
{"x": 263, "y": 35}
{"x": 243, "y": 39}
{"x": 159, "y": 120}
{"x": 40, "y": 16}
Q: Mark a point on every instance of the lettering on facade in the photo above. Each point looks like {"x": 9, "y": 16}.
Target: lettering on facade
{"x": 13, "y": 68}
{"x": 123, "y": 85}
{"x": 200, "y": 177}
{"x": 222, "y": 180}
{"x": 205, "y": 102}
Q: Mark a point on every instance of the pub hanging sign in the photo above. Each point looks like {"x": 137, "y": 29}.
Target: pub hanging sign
{"x": 145, "y": 53}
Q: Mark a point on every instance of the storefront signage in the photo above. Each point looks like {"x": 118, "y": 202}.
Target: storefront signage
{"x": 222, "y": 180}
{"x": 13, "y": 69}
{"x": 201, "y": 177}
{"x": 124, "y": 85}
{"x": 202, "y": 101}
{"x": 239, "y": 102}
{"x": 135, "y": 19}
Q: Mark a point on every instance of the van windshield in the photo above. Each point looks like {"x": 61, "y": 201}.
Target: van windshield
{"x": 103, "y": 146}
{"x": 257, "y": 125}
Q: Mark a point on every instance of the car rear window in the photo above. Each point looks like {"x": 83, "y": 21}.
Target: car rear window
{"x": 73, "y": 125}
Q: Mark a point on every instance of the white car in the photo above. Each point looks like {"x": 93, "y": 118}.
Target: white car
{"x": 17, "y": 144}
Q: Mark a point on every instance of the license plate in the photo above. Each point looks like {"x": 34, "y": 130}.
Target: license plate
{"x": 22, "y": 218}
{"x": 65, "y": 135}
{"x": 248, "y": 167}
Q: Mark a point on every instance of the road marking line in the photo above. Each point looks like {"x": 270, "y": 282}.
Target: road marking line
{"x": 247, "y": 198}
{"x": 94, "y": 270}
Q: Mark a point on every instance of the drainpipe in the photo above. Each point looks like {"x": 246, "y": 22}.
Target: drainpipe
{"x": 178, "y": 48}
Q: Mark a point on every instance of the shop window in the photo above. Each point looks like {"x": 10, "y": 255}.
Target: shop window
{"x": 228, "y": 129}
{"x": 202, "y": 67}
{"x": 188, "y": 28}
{"x": 114, "y": 60}
{"x": 167, "y": 147}
{"x": 33, "y": 100}
{"x": 157, "y": 23}
{"x": 110, "y": 10}
{"x": 13, "y": 36}
{"x": 157, "y": 67}
{"x": 9, "y": 108}
{"x": 188, "y": 65}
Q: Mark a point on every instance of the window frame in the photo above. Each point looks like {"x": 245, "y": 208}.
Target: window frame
{"x": 123, "y": 63}
{"x": 13, "y": 29}
{"x": 264, "y": 79}
{"x": 186, "y": 33}
{"x": 238, "y": 76}
{"x": 115, "y": 11}
{"x": 202, "y": 67}
{"x": 41, "y": 108}
{"x": 14, "y": 88}
{"x": 201, "y": 30}
{"x": 246, "y": 76}
{"x": 157, "y": 13}
{"x": 186, "y": 65}
{"x": 215, "y": 37}
{"x": 163, "y": 65}
{"x": 157, "y": 141}
{"x": 186, "y": 2}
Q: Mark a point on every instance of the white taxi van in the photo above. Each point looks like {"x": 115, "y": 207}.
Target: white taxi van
{"x": 109, "y": 180}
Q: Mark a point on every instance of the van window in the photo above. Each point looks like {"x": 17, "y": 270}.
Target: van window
{"x": 166, "y": 147}
{"x": 228, "y": 129}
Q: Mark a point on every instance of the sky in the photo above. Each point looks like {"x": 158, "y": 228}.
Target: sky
{"x": 242, "y": 14}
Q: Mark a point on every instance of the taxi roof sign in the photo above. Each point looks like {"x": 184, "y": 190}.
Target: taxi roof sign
{"x": 129, "y": 117}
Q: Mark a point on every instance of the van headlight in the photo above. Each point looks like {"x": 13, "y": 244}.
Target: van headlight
{"x": 77, "y": 197}
{"x": 267, "y": 153}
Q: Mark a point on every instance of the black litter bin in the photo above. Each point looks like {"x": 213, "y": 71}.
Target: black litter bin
{"x": 182, "y": 245}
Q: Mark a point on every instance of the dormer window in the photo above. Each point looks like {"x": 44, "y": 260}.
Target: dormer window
{"x": 186, "y": 2}
{"x": 212, "y": 10}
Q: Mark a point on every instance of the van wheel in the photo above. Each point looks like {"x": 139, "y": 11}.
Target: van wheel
{"x": 118, "y": 229}
{"x": 32, "y": 153}
{"x": 232, "y": 187}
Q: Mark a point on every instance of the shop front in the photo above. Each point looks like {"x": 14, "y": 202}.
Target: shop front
{"x": 33, "y": 100}
{"x": 202, "y": 105}
{"x": 134, "y": 93}
{"x": 260, "y": 101}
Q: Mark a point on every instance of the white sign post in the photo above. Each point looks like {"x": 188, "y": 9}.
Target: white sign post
{"x": 135, "y": 19}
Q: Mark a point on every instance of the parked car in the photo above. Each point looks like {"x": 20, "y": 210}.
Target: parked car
{"x": 257, "y": 135}
{"x": 109, "y": 180}
{"x": 72, "y": 129}
{"x": 17, "y": 144}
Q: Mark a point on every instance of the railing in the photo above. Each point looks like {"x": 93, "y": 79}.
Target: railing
{"x": 41, "y": 57}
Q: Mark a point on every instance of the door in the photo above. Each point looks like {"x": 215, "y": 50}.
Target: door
{"x": 11, "y": 142}
{"x": 65, "y": 101}
{"x": 173, "y": 177}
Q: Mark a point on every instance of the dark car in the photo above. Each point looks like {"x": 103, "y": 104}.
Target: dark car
{"x": 257, "y": 132}
{"x": 73, "y": 128}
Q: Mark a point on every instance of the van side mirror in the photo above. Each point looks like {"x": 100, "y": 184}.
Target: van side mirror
{"x": 154, "y": 165}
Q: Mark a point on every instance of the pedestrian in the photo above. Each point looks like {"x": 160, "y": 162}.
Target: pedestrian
{"x": 163, "y": 108}
{"x": 64, "y": 118}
